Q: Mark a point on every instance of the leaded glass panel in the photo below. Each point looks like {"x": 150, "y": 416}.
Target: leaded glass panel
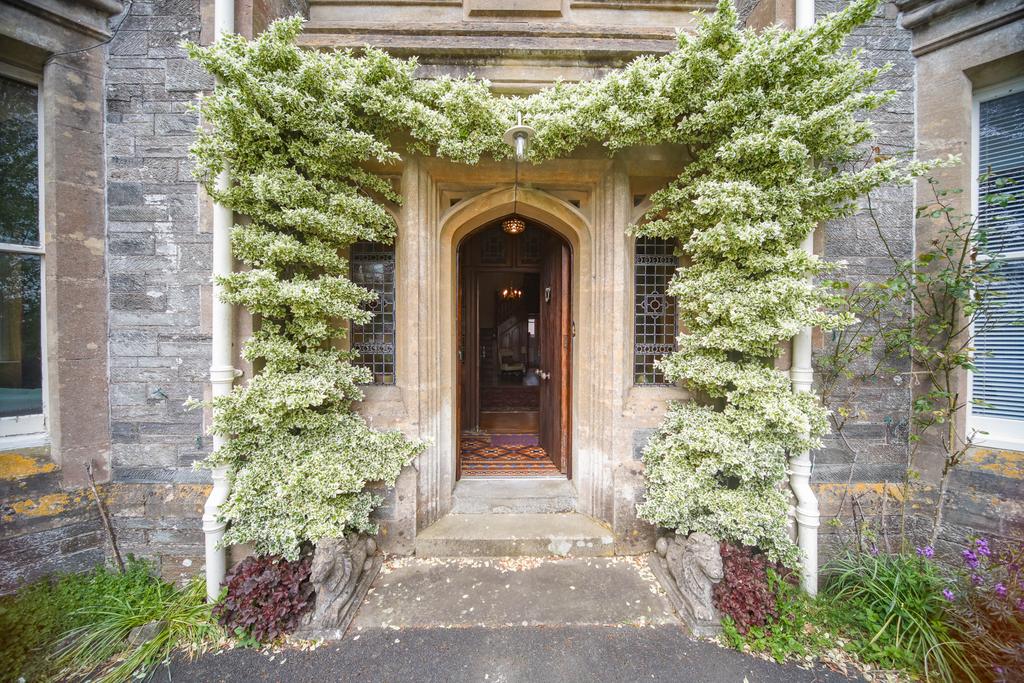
{"x": 655, "y": 319}
{"x": 373, "y": 267}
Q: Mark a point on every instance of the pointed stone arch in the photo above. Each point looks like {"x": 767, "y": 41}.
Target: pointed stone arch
{"x": 437, "y": 467}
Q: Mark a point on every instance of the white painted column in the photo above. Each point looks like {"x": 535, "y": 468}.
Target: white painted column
{"x": 802, "y": 375}
{"x": 804, "y": 12}
{"x": 222, "y": 372}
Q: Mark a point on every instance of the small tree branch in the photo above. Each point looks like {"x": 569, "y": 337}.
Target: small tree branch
{"x": 105, "y": 518}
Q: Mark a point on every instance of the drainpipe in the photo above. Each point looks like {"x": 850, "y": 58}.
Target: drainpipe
{"x": 222, "y": 372}
{"x": 801, "y": 373}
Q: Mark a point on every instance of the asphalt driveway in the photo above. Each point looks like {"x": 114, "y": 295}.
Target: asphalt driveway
{"x": 506, "y": 655}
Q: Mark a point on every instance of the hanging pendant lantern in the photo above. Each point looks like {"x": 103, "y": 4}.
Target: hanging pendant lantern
{"x": 519, "y": 138}
{"x": 514, "y": 225}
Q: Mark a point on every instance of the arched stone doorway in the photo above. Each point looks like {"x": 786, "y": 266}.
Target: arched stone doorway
{"x": 589, "y": 204}
{"x": 437, "y": 472}
{"x": 514, "y": 327}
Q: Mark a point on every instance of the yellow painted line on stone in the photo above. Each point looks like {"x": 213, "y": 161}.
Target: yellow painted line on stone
{"x": 18, "y": 466}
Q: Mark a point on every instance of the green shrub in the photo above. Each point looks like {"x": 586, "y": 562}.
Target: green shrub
{"x": 77, "y": 624}
{"x": 36, "y": 616}
{"x": 894, "y": 611}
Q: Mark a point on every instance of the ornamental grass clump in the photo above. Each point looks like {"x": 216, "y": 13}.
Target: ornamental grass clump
{"x": 80, "y": 626}
{"x": 167, "y": 617}
{"x": 896, "y": 608}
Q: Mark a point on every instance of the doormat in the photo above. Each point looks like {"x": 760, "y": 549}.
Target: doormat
{"x": 507, "y": 440}
{"x": 494, "y": 399}
{"x": 481, "y": 457}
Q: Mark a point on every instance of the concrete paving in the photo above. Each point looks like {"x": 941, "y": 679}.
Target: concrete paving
{"x": 446, "y": 593}
{"x": 507, "y": 620}
{"x": 568, "y": 654}
{"x": 504, "y": 535}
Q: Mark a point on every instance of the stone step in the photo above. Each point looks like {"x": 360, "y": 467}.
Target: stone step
{"x": 526, "y": 495}
{"x": 515, "y": 535}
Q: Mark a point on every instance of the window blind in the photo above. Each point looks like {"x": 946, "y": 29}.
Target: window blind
{"x": 998, "y": 382}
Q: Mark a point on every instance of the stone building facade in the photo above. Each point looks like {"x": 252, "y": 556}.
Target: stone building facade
{"x": 127, "y": 254}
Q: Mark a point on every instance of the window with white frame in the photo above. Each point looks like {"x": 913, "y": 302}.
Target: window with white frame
{"x": 21, "y": 257}
{"x": 997, "y": 384}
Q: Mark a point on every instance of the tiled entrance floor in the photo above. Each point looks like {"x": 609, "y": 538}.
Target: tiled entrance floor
{"x": 505, "y": 455}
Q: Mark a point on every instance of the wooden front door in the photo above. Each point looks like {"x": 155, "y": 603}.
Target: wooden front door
{"x": 555, "y": 353}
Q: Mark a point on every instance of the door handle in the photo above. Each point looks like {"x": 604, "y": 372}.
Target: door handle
{"x": 542, "y": 374}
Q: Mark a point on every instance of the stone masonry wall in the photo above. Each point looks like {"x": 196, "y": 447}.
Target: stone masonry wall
{"x": 44, "y": 526}
{"x": 159, "y": 263}
{"x": 159, "y": 267}
{"x": 873, "y": 455}
{"x": 48, "y": 521}
{"x": 871, "y": 451}
{"x": 160, "y": 251}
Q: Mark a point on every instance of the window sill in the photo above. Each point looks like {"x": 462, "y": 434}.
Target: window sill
{"x": 15, "y": 442}
{"x": 1002, "y": 434}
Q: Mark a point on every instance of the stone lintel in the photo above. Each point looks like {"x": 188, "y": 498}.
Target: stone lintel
{"x": 514, "y": 8}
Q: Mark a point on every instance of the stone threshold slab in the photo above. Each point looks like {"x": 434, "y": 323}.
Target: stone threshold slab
{"x": 514, "y": 535}
{"x": 524, "y": 495}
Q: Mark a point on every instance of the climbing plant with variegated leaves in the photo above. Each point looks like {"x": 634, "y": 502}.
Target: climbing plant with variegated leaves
{"x": 767, "y": 122}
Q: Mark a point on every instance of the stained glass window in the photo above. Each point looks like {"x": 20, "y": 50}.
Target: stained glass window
{"x": 655, "y": 317}
{"x": 373, "y": 267}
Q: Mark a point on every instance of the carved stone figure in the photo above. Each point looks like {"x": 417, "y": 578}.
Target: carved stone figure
{"x": 688, "y": 568}
{"x": 341, "y": 573}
